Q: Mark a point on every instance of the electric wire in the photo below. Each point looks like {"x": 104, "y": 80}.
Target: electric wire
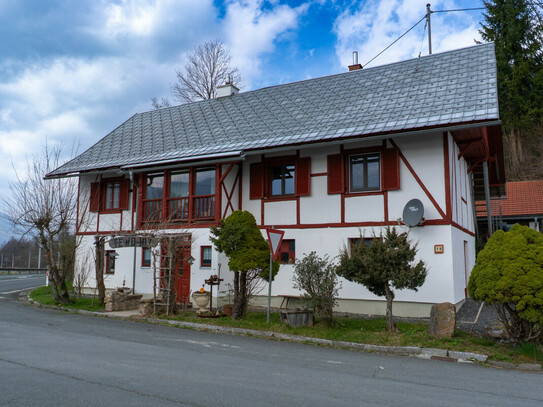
{"x": 395, "y": 41}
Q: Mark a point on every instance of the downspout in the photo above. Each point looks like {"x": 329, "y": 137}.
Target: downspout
{"x": 134, "y": 191}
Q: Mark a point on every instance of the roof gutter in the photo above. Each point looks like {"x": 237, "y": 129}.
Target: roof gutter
{"x": 358, "y": 138}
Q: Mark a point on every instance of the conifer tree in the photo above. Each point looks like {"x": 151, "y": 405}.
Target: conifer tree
{"x": 514, "y": 27}
{"x": 385, "y": 264}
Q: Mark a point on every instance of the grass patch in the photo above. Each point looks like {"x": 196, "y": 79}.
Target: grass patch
{"x": 44, "y": 295}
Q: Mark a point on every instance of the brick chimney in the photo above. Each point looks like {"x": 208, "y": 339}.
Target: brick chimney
{"x": 355, "y": 64}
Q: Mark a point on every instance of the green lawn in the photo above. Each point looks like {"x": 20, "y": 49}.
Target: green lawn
{"x": 349, "y": 329}
{"x": 44, "y": 295}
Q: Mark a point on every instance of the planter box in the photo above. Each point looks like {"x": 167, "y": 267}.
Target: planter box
{"x": 297, "y": 318}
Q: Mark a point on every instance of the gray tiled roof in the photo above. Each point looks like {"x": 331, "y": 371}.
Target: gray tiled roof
{"x": 442, "y": 89}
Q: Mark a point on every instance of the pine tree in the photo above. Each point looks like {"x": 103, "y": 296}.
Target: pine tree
{"x": 514, "y": 27}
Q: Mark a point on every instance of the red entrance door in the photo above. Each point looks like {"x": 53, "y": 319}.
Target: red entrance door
{"x": 182, "y": 274}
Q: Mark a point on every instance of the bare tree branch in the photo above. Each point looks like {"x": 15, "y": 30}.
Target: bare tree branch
{"x": 46, "y": 208}
{"x": 207, "y": 68}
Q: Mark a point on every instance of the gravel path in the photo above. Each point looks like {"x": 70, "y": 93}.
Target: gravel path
{"x": 483, "y": 321}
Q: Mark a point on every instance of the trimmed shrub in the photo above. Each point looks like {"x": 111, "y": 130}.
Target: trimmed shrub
{"x": 508, "y": 274}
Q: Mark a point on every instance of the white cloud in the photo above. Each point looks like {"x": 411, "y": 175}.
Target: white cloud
{"x": 252, "y": 31}
{"x": 371, "y": 26}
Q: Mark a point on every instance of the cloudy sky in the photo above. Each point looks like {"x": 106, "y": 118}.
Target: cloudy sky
{"x": 72, "y": 71}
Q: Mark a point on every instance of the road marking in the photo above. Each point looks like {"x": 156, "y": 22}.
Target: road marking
{"x": 202, "y": 343}
{"x": 334, "y": 362}
{"x": 18, "y": 291}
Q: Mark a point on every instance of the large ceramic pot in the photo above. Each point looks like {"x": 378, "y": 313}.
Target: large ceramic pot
{"x": 227, "y": 309}
{"x": 201, "y": 299}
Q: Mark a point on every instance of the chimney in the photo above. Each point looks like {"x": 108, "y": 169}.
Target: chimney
{"x": 355, "y": 64}
{"x": 228, "y": 89}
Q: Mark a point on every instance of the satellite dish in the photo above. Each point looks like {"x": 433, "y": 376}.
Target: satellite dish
{"x": 413, "y": 212}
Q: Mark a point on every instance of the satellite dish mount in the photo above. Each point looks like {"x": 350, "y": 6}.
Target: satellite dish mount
{"x": 413, "y": 212}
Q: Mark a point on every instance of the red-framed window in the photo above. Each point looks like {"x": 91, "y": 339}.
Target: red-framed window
{"x": 205, "y": 256}
{"x": 110, "y": 262}
{"x": 364, "y": 170}
{"x": 282, "y": 177}
{"x": 109, "y": 195}
{"x": 183, "y": 195}
{"x": 287, "y": 251}
{"x": 146, "y": 257}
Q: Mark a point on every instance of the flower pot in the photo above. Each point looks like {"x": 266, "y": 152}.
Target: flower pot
{"x": 201, "y": 299}
{"x": 227, "y": 309}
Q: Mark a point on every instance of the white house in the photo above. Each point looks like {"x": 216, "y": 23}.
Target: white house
{"x": 325, "y": 160}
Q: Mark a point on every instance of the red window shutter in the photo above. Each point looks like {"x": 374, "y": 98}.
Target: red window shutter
{"x": 123, "y": 194}
{"x": 303, "y": 176}
{"x": 336, "y": 174}
{"x": 390, "y": 169}
{"x": 256, "y": 188}
{"x": 95, "y": 195}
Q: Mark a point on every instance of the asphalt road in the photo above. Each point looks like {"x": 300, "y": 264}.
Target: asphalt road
{"x": 11, "y": 283}
{"x": 52, "y": 358}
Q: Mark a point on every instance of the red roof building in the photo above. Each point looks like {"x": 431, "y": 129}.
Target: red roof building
{"x": 522, "y": 204}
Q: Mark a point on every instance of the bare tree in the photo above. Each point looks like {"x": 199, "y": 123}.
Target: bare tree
{"x": 208, "y": 67}
{"x": 47, "y": 208}
{"x": 160, "y": 104}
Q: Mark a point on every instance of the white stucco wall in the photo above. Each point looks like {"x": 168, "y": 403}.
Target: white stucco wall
{"x": 320, "y": 225}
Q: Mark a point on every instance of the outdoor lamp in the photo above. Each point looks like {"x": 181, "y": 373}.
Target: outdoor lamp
{"x": 190, "y": 260}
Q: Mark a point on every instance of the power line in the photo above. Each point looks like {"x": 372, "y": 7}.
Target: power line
{"x": 395, "y": 41}
{"x": 459, "y": 9}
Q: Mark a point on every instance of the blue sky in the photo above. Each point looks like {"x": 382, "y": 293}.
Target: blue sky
{"x": 72, "y": 71}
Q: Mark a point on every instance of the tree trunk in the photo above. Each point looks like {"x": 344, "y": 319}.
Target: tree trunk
{"x": 99, "y": 268}
{"x": 390, "y": 318}
{"x": 236, "y": 310}
{"x": 243, "y": 294}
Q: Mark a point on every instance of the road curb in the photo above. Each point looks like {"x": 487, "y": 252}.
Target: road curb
{"x": 415, "y": 351}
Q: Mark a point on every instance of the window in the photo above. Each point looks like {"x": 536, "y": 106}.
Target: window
{"x": 146, "y": 257}
{"x": 282, "y": 180}
{"x": 205, "y": 259}
{"x": 287, "y": 252}
{"x": 155, "y": 186}
{"x": 205, "y": 181}
{"x": 356, "y": 240}
{"x": 179, "y": 184}
{"x": 110, "y": 261}
{"x": 109, "y": 195}
{"x": 364, "y": 172}
{"x": 113, "y": 190}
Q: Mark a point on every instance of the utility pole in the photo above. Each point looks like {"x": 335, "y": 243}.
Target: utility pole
{"x": 428, "y": 13}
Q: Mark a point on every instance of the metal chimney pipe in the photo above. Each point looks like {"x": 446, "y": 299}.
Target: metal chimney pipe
{"x": 355, "y": 57}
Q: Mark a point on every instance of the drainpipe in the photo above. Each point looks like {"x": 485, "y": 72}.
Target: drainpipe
{"x": 134, "y": 191}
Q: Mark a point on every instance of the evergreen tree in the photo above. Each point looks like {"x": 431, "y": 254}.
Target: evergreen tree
{"x": 514, "y": 27}
{"x": 240, "y": 239}
{"x": 385, "y": 264}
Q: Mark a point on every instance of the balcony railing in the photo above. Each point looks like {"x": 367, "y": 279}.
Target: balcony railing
{"x": 178, "y": 209}
{"x": 152, "y": 210}
{"x": 203, "y": 208}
